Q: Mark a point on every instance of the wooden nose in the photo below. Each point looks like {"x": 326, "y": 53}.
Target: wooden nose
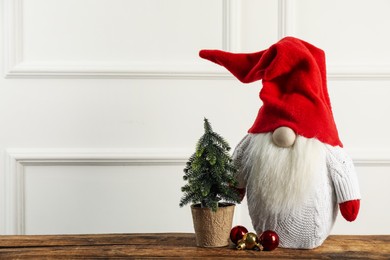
{"x": 284, "y": 137}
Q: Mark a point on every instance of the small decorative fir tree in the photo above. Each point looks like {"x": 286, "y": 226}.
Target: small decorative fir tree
{"x": 210, "y": 172}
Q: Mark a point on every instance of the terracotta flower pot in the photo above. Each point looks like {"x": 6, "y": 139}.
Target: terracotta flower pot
{"x": 212, "y": 229}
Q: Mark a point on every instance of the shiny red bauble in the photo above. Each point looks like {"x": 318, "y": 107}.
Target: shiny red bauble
{"x": 269, "y": 240}
{"x": 237, "y": 233}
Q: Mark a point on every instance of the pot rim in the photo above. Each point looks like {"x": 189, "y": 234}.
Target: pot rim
{"x": 220, "y": 205}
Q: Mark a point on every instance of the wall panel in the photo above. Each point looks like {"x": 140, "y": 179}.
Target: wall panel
{"x": 114, "y": 38}
{"x": 94, "y": 191}
{"x": 65, "y": 199}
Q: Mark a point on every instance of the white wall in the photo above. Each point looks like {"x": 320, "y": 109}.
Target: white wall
{"x": 102, "y": 101}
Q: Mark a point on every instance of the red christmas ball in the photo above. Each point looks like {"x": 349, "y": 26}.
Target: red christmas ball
{"x": 269, "y": 240}
{"x": 237, "y": 233}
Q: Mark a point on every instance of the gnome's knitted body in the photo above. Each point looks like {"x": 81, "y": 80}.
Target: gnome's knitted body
{"x": 299, "y": 201}
{"x": 310, "y": 224}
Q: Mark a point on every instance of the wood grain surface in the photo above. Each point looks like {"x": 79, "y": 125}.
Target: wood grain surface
{"x": 178, "y": 245}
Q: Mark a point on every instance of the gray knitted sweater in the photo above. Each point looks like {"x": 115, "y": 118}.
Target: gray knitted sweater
{"x": 309, "y": 225}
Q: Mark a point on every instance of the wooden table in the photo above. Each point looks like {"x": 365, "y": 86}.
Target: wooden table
{"x": 178, "y": 245}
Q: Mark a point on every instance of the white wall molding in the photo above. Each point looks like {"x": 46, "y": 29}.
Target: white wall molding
{"x": 370, "y": 157}
{"x": 285, "y": 18}
{"x": 18, "y": 159}
{"x": 358, "y": 72}
{"x": 16, "y": 67}
{"x": 232, "y": 25}
{"x": 12, "y": 33}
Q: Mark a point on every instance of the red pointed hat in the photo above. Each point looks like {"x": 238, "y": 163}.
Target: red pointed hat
{"x": 294, "y": 92}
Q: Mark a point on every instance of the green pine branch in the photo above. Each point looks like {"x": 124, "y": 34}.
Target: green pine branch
{"x": 210, "y": 172}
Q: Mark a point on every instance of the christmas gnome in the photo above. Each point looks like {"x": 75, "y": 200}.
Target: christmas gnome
{"x": 292, "y": 164}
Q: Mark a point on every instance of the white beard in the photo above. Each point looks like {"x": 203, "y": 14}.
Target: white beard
{"x": 279, "y": 179}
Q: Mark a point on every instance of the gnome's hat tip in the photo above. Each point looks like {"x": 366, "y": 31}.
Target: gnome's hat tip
{"x": 203, "y": 53}
{"x": 210, "y": 55}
